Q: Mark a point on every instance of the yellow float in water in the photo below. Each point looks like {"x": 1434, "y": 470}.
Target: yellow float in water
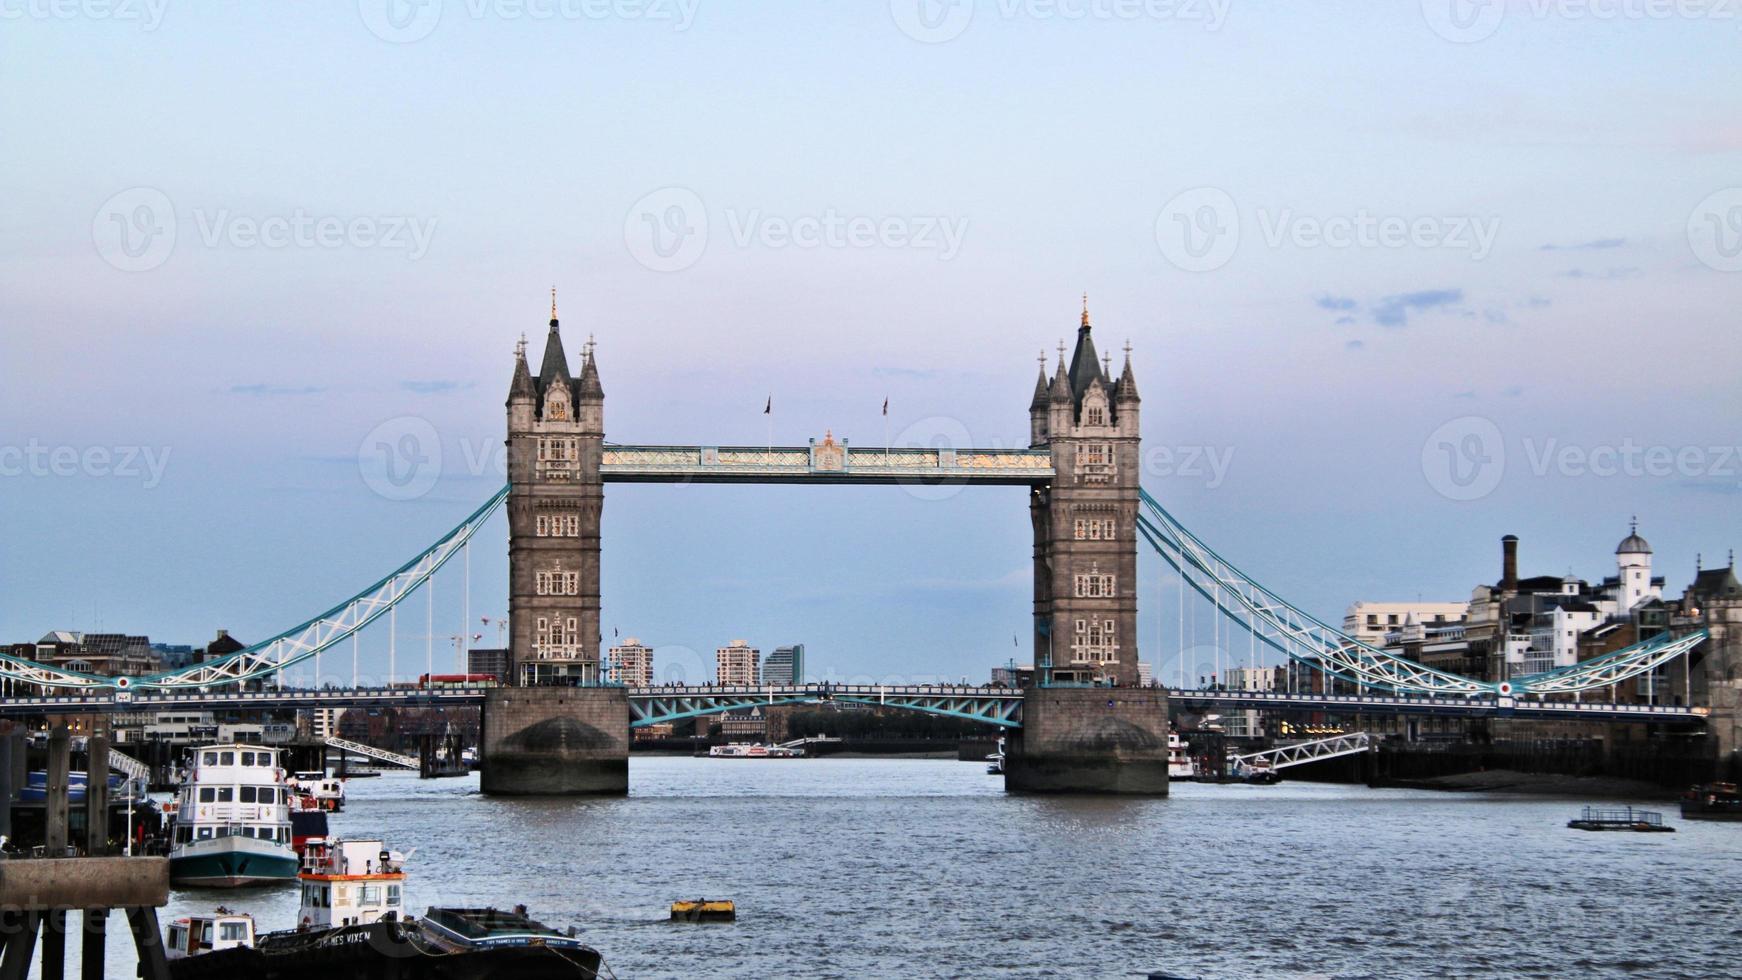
{"x": 703, "y": 910}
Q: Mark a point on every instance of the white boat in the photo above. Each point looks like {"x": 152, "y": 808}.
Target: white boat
{"x": 327, "y": 792}
{"x": 1179, "y": 764}
{"x": 995, "y": 761}
{"x": 192, "y": 935}
{"x": 741, "y": 750}
{"x": 350, "y": 883}
{"x": 232, "y": 822}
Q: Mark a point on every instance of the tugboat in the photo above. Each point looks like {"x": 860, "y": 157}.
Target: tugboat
{"x": 193, "y": 935}
{"x": 351, "y": 924}
{"x": 1179, "y": 764}
{"x": 232, "y": 823}
{"x": 1714, "y": 801}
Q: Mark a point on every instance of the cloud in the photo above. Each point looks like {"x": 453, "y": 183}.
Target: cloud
{"x": 433, "y": 387}
{"x": 1468, "y": 394}
{"x": 1344, "y": 321}
{"x": 1599, "y": 243}
{"x": 1512, "y": 391}
{"x": 1394, "y": 311}
{"x": 263, "y": 389}
{"x": 1336, "y": 303}
{"x": 1623, "y": 272}
{"x": 1354, "y": 345}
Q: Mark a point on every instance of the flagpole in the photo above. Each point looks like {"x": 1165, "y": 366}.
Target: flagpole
{"x": 768, "y": 410}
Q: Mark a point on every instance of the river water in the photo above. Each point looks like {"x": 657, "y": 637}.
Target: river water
{"x": 922, "y": 868}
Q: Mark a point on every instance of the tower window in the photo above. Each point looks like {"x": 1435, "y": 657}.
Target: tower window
{"x": 1096, "y": 586}
{"x": 1095, "y": 415}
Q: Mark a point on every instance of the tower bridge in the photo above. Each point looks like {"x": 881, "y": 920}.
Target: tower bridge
{"x": 1084, "y": 725}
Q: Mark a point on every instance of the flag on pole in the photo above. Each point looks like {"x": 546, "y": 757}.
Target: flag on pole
{"x": 768, "y": 409}
{"x": 1013, "y": 641}
{"x": 886, "y": 406}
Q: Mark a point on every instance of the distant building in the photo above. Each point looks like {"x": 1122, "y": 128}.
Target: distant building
{"x": 108, "y": 654}
{"x": 323, "y": 723}
{"x": 1145, "y": 673}
{"x": 222, "y": 645}
{"x": 736, "y": 725}
{"x": 1370, "y": 621}
{"x": 784, "y": 666}
{"x": 1245, "y": 722}
{"x": 174, "y": 656}
{"x": 632, "y": 664}
{"x": 490, "y": 662}
{"x": 737, "y": 663}
{"x": 1013, "y": 675}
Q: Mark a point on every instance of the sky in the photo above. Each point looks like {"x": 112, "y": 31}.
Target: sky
{"x": 1398, "y": 279}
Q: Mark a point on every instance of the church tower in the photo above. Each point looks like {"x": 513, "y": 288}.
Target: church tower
{"x": 1085, "y": 532}
{"x": 556, "y": 436}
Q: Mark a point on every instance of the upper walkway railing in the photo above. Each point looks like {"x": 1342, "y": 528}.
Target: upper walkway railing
{"x": 823, "y": 463}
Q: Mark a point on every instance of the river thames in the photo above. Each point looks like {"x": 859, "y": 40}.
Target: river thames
{"x": 922, "y": 868}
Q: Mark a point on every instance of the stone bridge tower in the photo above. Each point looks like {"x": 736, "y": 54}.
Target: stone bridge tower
{"x": 1085, "y": 531}
{"x": 556, "y": 436}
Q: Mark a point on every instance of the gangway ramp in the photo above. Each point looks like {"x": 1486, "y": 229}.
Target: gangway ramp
{"x": 381, "y": 755}
{"x": 1301, "y": 753}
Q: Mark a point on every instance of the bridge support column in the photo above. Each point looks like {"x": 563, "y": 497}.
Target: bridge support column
{"x": 1718, "y": 683}
{"x": 556, "y": 741}
{"x": 1089, "y": 740}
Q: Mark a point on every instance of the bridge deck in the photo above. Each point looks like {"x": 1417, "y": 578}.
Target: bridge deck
{"x": 824, "y": 463}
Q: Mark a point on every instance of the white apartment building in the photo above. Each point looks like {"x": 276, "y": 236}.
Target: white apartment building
{"x": 1370, "y": 621}
{"x": 632, "y": 664}
{"x": 737, "y": 663}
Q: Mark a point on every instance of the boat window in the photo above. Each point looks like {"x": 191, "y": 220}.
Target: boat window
{"x": 342, "y": 895}
{"x": 393, "y": 895}
{"x": 226, "y": 794}
{"x": 247, "y": 758}
{"x": 205, "y": 833}
{"x": 233, "y": 931}
{"x": 207, "y": 794}
{"x": 248, "y": 794}
{"x": 226, "y": 758}
{"x": 371, "y": 895}
{"x": 206, "y": 933}
{"x": 284, "y": 835}
{"x": 224, "y": 831}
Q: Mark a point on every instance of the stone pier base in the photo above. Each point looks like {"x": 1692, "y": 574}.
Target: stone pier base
{"x": 556, "y": 741}
{"x": 1089, "y": 740}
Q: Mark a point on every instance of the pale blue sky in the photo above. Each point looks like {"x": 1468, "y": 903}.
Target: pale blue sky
{"x": 525, "y": 149}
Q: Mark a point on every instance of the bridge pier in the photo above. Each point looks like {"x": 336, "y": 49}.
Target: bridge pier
{"x": 1089, "y": 740}
{"x": 556, "y": 741}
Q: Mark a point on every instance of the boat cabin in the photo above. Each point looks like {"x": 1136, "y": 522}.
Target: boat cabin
{"x": 197, "y": 934}
{"x": 349, "y": 883}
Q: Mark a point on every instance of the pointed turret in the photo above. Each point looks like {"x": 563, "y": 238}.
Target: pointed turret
{"x": 1085, "y": 363}
{"x": 1061, "y": 381}
{"x": 521, "y": 388}
{"x": 589, "y": 387}
{"x": 1038, "y": 402}
{"x": 1127, "y": 390}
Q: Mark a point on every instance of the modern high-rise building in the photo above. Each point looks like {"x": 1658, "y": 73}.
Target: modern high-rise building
{"x": 737, "y": 663}
{"x": 785, "y": 665}
{"x": 631, "y": 664}
{"x": 556, "y": 433}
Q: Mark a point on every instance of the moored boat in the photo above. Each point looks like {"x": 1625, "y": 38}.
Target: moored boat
{"x": 1714, "y": 801}
{"x": 1179, "y": 764}
{"x": 1620, "y": 818}
{"x": 324, "y": 791}
{"x": 232, "y": 824}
